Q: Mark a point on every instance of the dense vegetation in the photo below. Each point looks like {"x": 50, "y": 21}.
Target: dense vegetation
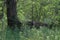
{"x": 46, "y": 11}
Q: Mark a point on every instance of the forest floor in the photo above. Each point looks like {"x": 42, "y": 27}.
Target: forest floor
{"x": 30, "y": 34}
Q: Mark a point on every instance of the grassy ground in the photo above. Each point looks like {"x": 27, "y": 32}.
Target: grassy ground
{"x": 30, "y": 34}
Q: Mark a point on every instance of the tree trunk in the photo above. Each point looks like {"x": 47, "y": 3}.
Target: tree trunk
{"x": 12, "y": 14}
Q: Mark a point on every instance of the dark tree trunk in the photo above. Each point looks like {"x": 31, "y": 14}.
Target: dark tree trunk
{"x": 12, "y": 14}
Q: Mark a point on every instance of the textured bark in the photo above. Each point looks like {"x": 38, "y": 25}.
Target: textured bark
{"x": 12, "y": 13}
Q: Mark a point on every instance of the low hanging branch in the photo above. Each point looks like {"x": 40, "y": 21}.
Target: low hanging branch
{"x": 37, "y": 24}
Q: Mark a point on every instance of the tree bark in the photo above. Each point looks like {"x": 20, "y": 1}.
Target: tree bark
{"x": 12, "y": 14}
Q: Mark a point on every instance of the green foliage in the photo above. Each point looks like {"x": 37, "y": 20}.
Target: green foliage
{"x": 31, "y": 34}
{"x": 46, "y": 11}
{"x": 39, "y": 10}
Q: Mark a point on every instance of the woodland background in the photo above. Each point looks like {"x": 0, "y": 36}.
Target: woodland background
{"x": 46, "y": 11}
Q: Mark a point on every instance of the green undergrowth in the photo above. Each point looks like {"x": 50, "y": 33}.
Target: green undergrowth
{"x": 30, "y": 34}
